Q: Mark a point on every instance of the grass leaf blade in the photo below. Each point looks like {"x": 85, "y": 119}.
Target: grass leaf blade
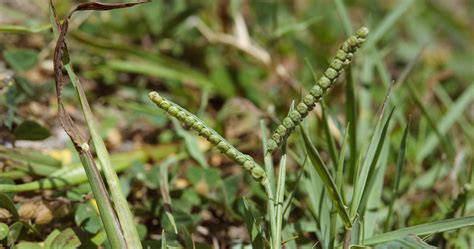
{"x": 328, "y": 181}
{"x": 423, "y": 229}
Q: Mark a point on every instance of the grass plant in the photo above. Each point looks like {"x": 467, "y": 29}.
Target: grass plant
{"x": 383, "y": 161}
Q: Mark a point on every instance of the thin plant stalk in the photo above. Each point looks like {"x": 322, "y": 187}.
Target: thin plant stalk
{"x": 271, "y": 210}
{"x": 280, "y": 193}
{"x": 118, "y": 197}
{"x": 106, "y": 211}
{"x": 270, "y": 184}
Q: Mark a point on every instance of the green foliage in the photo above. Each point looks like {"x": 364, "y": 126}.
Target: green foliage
{"x": 355, "y": 177}
{"x": 21, "y": 59}
{"x": 66, "y": 239}
{"x": 30, "y": 130}
{"x": 409, "y": 242}
{"x": 3, "y": 230}
{"x": 343, "y": 58}
{"x": 212, "y": 136}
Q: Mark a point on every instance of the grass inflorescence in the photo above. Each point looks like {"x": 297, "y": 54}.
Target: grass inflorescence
{"x": 343, "y": 58}
{"x": 211, "y": 135}
{"x": 359, "y": 173}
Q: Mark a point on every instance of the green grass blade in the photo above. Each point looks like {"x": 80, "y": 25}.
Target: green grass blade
{"x": 164, "y": 245}
{"x": 346, "y": 20}
{"x": 295, "y": 27}
{"x": 445, "y": 123}
{"x": 23, "y": 29}
{"x": 339, "y": 180}
{"x": 447, "y": 146}
{"x": 373, "y": 167}
{"x": 373, "y": 150}
{"x": 106, "y": 210}
{"x": 73, "y": 174}
{"x": 351, "y": 117}
{"x": 329, "y": 138}
{"x": 268, "y": 158}
{"x": 342, "y": 156}
{"x": 388, "y": 82}
{"x": 442, "y": 95}
{"x": 13, "y": 174}
{"x": 159, "y": 70}
{"x": 328, "y": 181}
{"x": 29, "y": 161}
{"x": 165, "y": 190}
{"x": 279, "y": 201}
{"x": 118, "y": 197}
{"x": 270, "y": 185}
{"x": 389, "y": 21}
{"x": 398, "y": 174}
{"x": 191, "y": 144}
{"x": 289, "y": 198}
{"x": 423, "y": 229}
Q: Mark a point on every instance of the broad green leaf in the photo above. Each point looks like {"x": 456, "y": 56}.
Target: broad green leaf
{"x": 87, "y": 218}
{"x": 28, "y": 245}
{"x": 230, "y": 187}
{"x": 142, "y": 231}
{"x": 100, "y": 238}
{"x": 30, "y": 130}
{"x": 254, "y": 231}
{"x": 7, "y": 203}
{"x": 67, "y": 239}
{"x": 21, "y": 59}
{"x": 47, "y": 242}
{"x": 3, "y": 230}
{"x": 14, "y": 232}
{"x": 191, "y": 144}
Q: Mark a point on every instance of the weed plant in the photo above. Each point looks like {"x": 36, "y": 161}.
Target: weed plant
{"x": 347, "y": 177}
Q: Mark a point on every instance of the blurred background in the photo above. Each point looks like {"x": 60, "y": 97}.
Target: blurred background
{"x": 234, "y": 63}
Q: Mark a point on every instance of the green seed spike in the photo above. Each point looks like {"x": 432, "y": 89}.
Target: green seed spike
{"x": 194, "y": 123}
{"x": 343, "y": 58}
